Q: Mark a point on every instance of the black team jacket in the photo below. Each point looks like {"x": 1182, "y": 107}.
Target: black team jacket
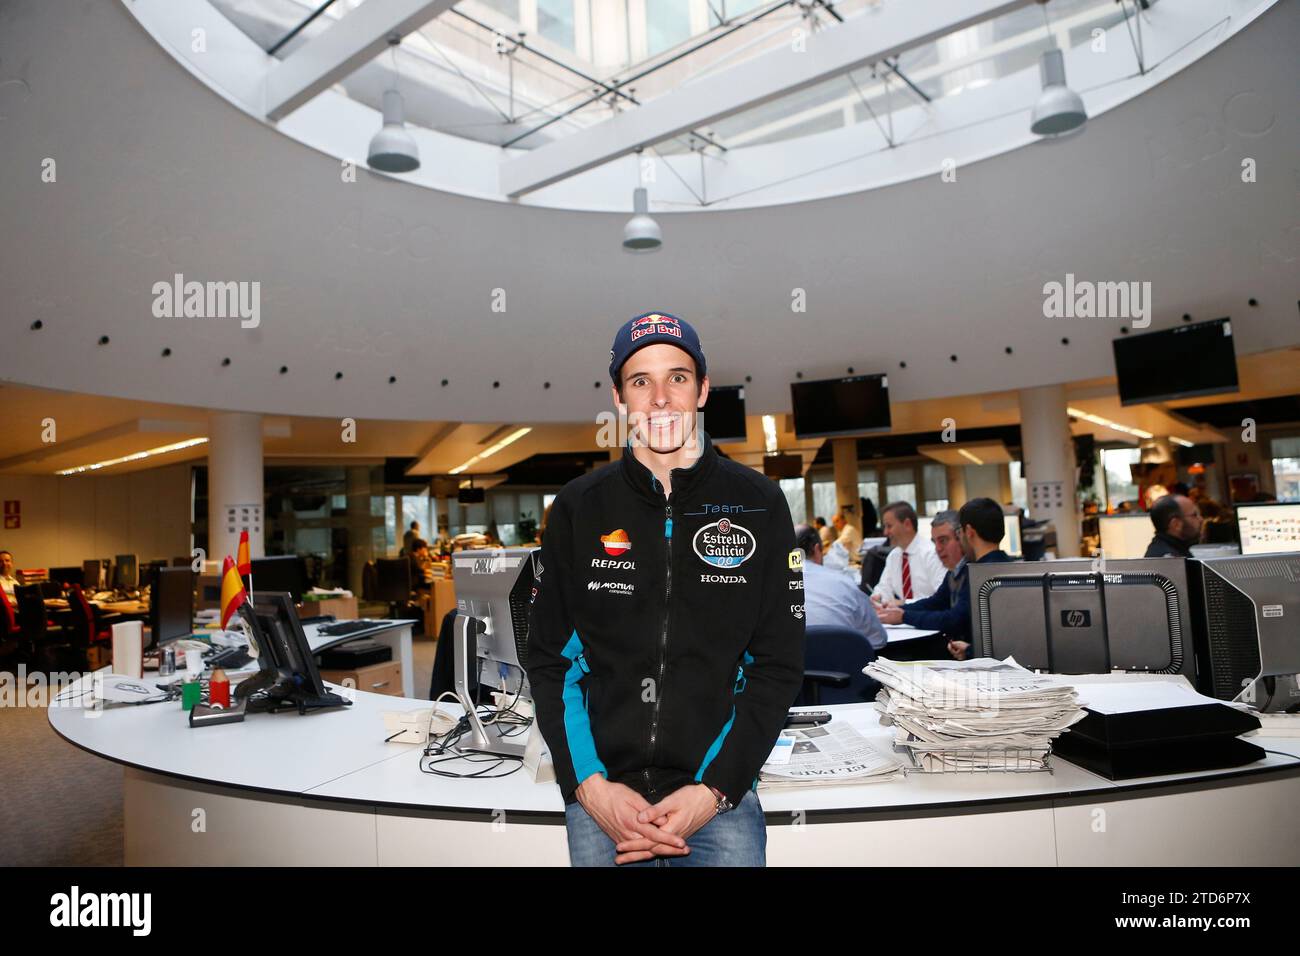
{"x": 666, "y": 635}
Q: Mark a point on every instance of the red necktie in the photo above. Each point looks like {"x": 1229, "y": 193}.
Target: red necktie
{"x": 907, "y": 578}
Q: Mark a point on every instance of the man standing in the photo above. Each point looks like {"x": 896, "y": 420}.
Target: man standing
{"x": 830, "y": 598}
{"x": 666, "y": 634}
{"x": 981, "y": 529}
{"x": 1178, "y": 526}
{"x": 912, "y": 569}
{"x": 411, "y": 536}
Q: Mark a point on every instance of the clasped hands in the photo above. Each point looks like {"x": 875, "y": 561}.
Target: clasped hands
{"x": 641, "y": 830}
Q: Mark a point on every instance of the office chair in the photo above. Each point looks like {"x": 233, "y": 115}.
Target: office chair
{"x": 873, "y": 566}
{"x": 50, "y": 650}
{"x": 833, "y": 662}
{"x": 14, "y": 648}
{"x": 369, "y": 581}
{"x": 87, "y": 627}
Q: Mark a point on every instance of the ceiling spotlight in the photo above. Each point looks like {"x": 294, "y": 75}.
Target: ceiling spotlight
{"x": 1059, "y": 109}
{"x": 641, "y": 232}
{"x": 393, "y": 149}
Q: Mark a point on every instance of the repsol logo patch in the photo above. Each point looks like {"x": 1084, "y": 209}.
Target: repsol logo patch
{"x": 723, "y": 544}
{"x": 613, "y": 564}
{"x": 722, "y": 579}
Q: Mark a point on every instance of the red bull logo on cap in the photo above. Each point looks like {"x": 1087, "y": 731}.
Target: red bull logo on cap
{"x": 653, "y": 324}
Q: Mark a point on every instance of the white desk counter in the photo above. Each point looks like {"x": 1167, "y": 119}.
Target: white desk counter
{"x": 325, "y": 789}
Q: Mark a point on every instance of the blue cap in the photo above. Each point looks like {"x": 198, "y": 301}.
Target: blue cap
{"x": 648, "y": 329}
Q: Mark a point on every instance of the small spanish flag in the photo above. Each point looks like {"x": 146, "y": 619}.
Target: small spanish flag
{"x": 232, "y": 591}
{"x": 242, "y": 561}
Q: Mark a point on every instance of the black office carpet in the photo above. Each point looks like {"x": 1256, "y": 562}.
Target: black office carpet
{"x": 61, "y": 806}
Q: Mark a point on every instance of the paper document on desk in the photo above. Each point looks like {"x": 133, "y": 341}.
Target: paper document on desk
{"x": 827, "y": 754}
{"x": 981, "y": 714}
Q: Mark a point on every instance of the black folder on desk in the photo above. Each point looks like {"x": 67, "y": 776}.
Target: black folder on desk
{"x": 1148, "y": 743}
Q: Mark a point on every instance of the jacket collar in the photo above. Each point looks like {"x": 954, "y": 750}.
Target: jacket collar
{"x": 1176, "y": 545}
{"x": 644, "y": 482}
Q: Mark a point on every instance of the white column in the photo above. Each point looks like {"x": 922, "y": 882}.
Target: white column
{"x": 957, "y": 487}
{"x": 844, "y": 457}
{"x": 235, "y": 484}
{"x": 1049, "y": 463}
{"x": 360, "y": 544}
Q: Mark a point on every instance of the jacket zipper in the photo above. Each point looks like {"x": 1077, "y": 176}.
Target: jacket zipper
{"x": 663, "y": 640}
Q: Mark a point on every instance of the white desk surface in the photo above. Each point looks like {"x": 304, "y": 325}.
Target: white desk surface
{"x": 340, "y": 755}
{"x": 905, "y": 632}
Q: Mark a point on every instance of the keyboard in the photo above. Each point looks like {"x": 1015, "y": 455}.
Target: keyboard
{"x": 232, "y": 657}
{"x": 340, "y": 628}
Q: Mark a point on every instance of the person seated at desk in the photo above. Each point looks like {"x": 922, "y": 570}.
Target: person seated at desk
{"x": 824, "y": 531}
{"x": 847, "y": 534}
{"x": 979, "y": 530}
{"x": 912, "y": 569}
{"x": 1178, "y": 527}
{"x": 421, "y": 565}
{"x": 830, "y": 598}
{"x": 7, "y": 579}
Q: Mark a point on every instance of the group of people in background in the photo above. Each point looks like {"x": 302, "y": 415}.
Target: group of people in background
{"x": 924, "y": 583}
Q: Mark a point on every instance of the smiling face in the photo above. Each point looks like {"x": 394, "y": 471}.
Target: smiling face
{"x": 660, "y": 396}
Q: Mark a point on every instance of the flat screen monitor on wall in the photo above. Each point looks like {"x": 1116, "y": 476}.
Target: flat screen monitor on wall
{"x": 840, "y": 406}
{"x": 1196, "y": 359}
{"x": 724, "y": 413}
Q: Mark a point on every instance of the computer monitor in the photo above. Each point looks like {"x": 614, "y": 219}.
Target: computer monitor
{"x": 724, "y": 413}
{"x": 147, "y": 571}
{"x": 171, "y": 604}
{"x": 92, "y": 575}
{"x": 207, "y": 592}
{"x": 124, "y": 572}
{"x": 392, "y": 580}
{"x": 286, "y": 572}
{"x": 1069, "y": 617}
{"x": 287, "y": 673}
{"x": 1269, "y": 527}
{"x": 68, "y": 576}
{"x": 1125, "y": 536}
{"x": 182, "y": 562}
{"x": 493, "y": 588}
{"x": 1011, "y": 541}
{"x": 1246, "y": 614}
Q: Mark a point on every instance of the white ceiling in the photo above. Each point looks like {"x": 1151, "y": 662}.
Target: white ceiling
{"x": 157, "y": 175}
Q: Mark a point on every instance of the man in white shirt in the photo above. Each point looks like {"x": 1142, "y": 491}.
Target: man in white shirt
{"x": 830, "y": 598}
{"x": 912, "y": 569}
{"x": 847, "y": 535}
{"x": 7, "y": 579}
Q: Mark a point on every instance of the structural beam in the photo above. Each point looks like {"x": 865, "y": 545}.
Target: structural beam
{"x": 868, "y": 38}
{"x": 350, "y": 43}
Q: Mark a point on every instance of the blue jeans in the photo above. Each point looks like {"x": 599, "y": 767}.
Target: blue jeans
{"x": 735, "y": 838}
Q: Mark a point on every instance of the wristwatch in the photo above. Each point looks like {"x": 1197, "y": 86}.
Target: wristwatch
{"x": 723, "y": 804}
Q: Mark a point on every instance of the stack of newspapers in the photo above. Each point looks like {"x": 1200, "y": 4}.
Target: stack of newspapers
{"x": 831, "y": 753}
{"x": 977, "y": 715}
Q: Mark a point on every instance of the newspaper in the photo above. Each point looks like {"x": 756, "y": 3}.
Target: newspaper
{"x": 980, "y": 714}
{"x": 832, "y": 753}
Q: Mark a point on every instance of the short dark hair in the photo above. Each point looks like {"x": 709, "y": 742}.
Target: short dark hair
{"x": 1164, "y": 511}
{"x": 417, "y": 544}
{"x": 985, "y": 516}
{"x": 807, "y": 539}
{"x": 414, "y": 525}
{"x": 4, "y": 551}
{"x": 901, "y": 510}
{"x": 819, "y": 522}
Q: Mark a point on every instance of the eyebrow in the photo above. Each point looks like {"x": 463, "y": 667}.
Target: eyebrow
{"x": 678, "y": 368}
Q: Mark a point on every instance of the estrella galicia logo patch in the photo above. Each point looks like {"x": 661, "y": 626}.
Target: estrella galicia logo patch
{"x": 724, "y": 544}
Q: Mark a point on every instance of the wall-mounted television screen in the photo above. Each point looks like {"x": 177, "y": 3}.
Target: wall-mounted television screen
{"x": 840, "y": 406}
{"x": 1197, "y": 359}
